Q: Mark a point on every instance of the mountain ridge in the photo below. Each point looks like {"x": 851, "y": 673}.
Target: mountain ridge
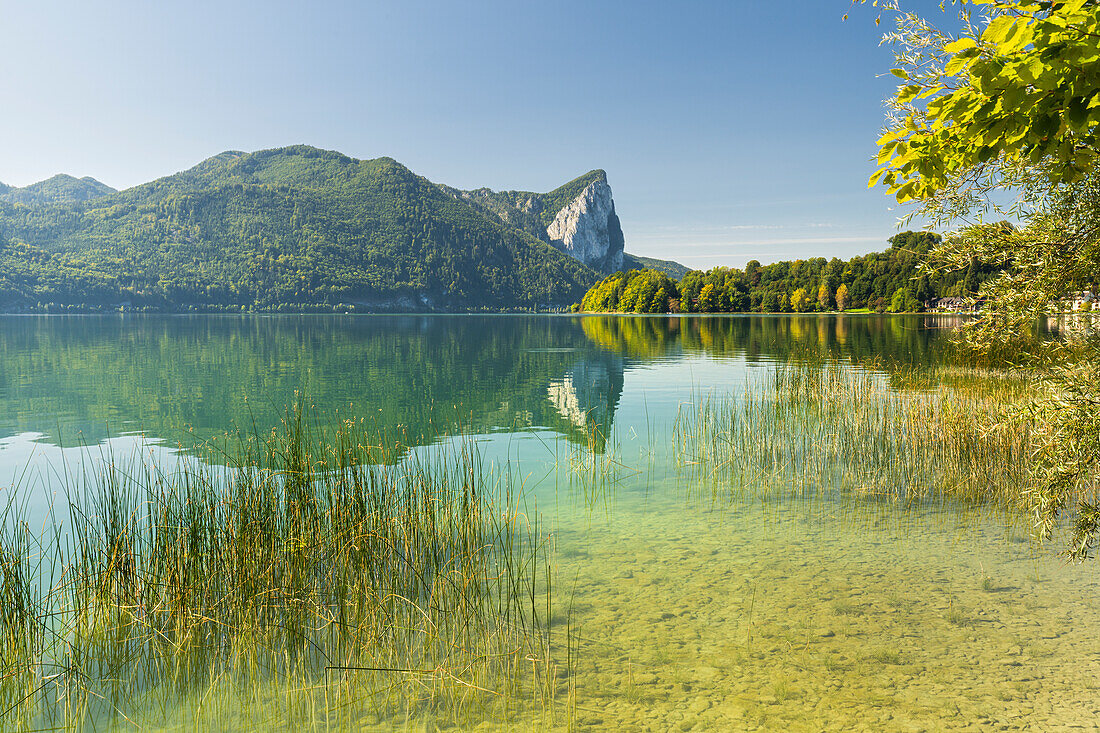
{"x": 58, "y": 189}
{"x": 294, "y": 228}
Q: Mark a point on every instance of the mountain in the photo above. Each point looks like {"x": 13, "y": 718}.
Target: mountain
{"x": 300, "y": 228}
{"x": 60, "y": 189}
{"x": 577, "y": 218}
{"x": 673, "y": 269}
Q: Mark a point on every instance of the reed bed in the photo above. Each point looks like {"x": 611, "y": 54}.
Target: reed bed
{"x": 829, "y": 430}
{"x": 298, "y": 584}
{"x": 596, "y": 468}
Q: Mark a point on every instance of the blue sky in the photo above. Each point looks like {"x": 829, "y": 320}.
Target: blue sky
{"x": 730, "y": 129}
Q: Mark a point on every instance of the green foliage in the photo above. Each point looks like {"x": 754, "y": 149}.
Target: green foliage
{"x": 800, "y": 300}
{"x": 869, "y": 281}
{"x": 1019, "y": 89}
{"x": 1010, "y": 108}
{"x": 287, "y": 229}
{"x": 57, "y": 190}
{"x": 1068, "y": 437}
{"x": 903, "y": 301}
{"x": 635, "y": 291}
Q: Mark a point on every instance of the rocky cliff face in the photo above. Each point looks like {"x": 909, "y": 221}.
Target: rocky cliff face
{"x": 578, "y": 217}
{"x": 588, "y": 229}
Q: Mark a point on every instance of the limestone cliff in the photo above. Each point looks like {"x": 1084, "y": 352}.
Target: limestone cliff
{"x": 587, "y": 229}
{"x": 577, "y": 218}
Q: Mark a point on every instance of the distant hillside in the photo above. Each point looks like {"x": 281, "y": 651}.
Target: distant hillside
{"x": 673, "y": 269}
{"x": 60, "y": 189}
{"x": 291, "y": 228}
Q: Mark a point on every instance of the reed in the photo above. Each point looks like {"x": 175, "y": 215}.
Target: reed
{"x": 596, "y": 469}
{"x": 821, "y": 429}
{"x": 296, "y": 581}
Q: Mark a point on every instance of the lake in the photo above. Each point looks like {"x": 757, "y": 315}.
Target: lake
{"x": 678, "y": 597}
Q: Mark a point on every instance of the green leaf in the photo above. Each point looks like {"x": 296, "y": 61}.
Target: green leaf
{"x": 999, "y": 29}
{"x": 905, "y": 193}
{"x": 906, "y": 93}
{"x": 1077, "y": 115}
{"x": 886, "y": 151}
{"x": 955, "y": 65}
{"x": 900, "y": 73}
{"x": 959, "y": 45}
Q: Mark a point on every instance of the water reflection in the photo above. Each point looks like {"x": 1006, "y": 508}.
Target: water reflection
{"x": 183, "y": 379}
{"x": 690, "y": 606}
{"x": 588, "y": 393}
{"x": 912, "y": 340}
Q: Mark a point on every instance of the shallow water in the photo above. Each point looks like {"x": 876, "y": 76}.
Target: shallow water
{"x": 702, "y": 616}
{"x": 678, "y": 606}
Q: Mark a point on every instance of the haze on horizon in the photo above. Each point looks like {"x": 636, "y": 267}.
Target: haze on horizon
{"x": 730, "y": 131}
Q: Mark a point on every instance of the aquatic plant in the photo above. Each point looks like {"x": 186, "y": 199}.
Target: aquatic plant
{"x": 596, "y": 469}
{"x": 823, "y": 429}
{"x": 294, "y": 581}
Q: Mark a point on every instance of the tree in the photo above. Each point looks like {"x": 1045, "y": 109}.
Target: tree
{"x": 800, "y": 300}
{"x": 1007, "y": 109}
{"x": 971, "y": 110}
{"x": 708, "y": 299}
{"x": 865, "y": 279}
{"x": 659, "y": 302}
{"x": 903, "y": 301}
{"x": 842, "y": 297}
{"x": 970, "y": 282}
{"x": 752, "y": 272}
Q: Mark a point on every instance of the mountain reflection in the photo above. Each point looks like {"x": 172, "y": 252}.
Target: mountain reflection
{"x": 587, "y": 395}
{"x": 413, "y": 378}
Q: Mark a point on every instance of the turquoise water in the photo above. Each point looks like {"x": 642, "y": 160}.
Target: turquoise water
{"x": 684, "y": 608}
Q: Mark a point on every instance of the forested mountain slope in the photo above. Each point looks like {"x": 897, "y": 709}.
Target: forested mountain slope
{"x": 59, "y": 189}
{"x": 291, "y": 228}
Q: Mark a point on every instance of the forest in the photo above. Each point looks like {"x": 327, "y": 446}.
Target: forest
{"x": 889, "y": 281}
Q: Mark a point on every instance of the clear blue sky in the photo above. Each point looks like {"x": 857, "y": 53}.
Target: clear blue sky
{"x": 729, "y": 129}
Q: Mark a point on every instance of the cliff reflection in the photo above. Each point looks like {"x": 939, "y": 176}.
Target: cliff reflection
{"x": 414, "y": 378}
{"x": 587, "y": 395}
{"x": 189, "y": 379}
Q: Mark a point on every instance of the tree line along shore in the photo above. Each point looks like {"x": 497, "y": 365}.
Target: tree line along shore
{"x": 891, "y": 281}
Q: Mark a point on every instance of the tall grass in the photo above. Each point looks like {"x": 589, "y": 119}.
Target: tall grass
{"x": 823, "y": 428}
{"x": 297, "y": 584}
